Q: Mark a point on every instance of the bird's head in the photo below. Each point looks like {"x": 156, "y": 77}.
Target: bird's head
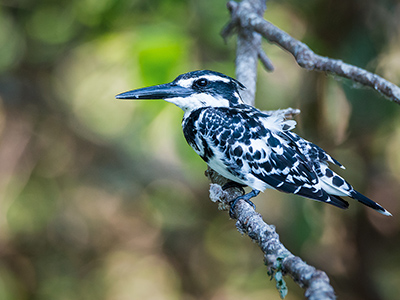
{"x": 193, "y": 90}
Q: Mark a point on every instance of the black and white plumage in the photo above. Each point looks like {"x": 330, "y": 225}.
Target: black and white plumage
{"x": 248, "y": 146}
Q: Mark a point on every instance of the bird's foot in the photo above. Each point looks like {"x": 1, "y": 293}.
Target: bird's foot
{"x": 246, "y": 198}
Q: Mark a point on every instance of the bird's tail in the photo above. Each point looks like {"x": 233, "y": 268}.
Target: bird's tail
{"x": 368, "y": 202}
{"x": 323, "y": 196}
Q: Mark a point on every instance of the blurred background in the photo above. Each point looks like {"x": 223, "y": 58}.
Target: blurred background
{"x": 102, "y": 199}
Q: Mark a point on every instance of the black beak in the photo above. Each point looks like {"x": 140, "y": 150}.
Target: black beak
{"x": 162, "y": 91}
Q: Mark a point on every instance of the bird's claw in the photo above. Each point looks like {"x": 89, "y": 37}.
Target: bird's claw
{"x": 246, "y": 198}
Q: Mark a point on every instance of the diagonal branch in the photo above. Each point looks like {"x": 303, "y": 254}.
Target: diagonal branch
{"x": 277, "y": 258}
{"x": 243, "y": 16}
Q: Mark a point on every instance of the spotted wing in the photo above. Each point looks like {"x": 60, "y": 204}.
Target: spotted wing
{"x": 311, "y": 151}
{"x": 288, "y": 170}
{"x": 241, "y": 147}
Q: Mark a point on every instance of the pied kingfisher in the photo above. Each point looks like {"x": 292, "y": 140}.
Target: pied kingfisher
{"x": 248, "y": 146}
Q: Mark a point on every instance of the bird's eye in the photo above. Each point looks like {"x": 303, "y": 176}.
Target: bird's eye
{"x": 201, "y": 82}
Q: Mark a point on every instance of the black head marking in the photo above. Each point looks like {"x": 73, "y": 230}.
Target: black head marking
{"x": 213, "y": 83}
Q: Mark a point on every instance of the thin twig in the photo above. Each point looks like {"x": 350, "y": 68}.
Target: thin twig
{"x": 264, "y": 59}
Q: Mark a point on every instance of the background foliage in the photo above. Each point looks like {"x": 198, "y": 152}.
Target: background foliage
{"x": 103, "y": 199}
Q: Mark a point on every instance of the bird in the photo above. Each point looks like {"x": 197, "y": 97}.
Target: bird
{"x": 250, "y": 147}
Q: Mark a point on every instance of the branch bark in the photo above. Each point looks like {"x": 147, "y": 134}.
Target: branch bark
{"x": 248, "y": 47}
{"x": 277, "y": 258}
{"x": 243, "y": 16}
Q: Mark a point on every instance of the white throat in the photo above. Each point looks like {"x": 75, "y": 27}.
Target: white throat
{"x": 195, "y": 101}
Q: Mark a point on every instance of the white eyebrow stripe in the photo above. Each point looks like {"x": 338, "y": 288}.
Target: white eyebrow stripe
{"x": 186, "y": 82}
{"x": 215, "y": 78}
{"x": 189, "y": 82}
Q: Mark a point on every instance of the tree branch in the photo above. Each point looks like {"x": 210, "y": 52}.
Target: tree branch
{"x": 244, "y": 16}
{"x": 248, "y": 46}
{"x": 277, "y": 258}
